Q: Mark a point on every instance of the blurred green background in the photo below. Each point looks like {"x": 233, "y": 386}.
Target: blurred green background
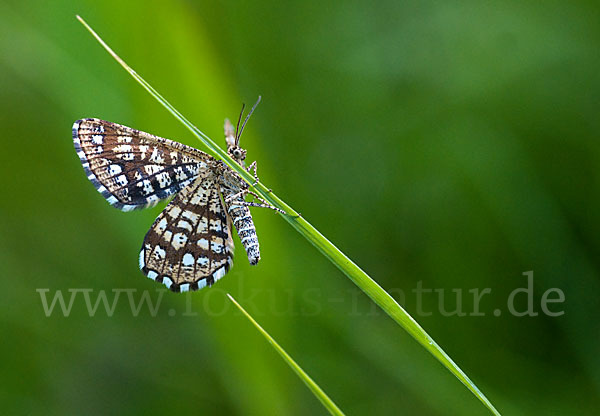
{"x": 453, "y": 144}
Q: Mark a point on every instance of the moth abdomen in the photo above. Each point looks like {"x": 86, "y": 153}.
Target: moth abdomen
{"x": 242, "y": 221}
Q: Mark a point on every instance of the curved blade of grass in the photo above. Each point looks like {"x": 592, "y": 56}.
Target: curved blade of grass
{"x": 339, "y": 259}
{"x": 314, "y": 387}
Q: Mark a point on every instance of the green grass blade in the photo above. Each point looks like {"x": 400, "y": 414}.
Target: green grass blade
{"x": 314, "y": 387}
{"x": 339, "y": 259}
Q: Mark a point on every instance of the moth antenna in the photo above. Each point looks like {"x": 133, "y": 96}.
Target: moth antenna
{"x": 237, "y": 138}
{"x": 246, "y": 120}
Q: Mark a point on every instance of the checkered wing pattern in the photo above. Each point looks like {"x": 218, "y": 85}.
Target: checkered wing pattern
{"x": 189, "y": 246}
{"x": 133, "y": 169}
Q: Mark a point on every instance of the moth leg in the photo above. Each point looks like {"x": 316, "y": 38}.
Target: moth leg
{"x": 243, "y": 193}
{"x": 264, "y": 204}
{"x": 253, "y": 167}
{"x": 254, "y": 204}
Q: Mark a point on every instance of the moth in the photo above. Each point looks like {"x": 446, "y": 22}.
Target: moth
{"x": 189, "y": 246}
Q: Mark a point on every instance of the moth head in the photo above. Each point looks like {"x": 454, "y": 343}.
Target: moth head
{"x": 237, "y": 153}
{"x": 233, "y": 137}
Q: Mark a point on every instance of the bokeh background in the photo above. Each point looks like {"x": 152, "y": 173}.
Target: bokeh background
{"x": 452, "y": 145}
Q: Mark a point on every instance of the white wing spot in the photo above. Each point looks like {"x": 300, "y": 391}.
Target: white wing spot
{"x": 219, "y": 273}
{"x": 174, "y": 212}
{"x": 121, "y": 180}
{"x": 156, "y": 157}
{"x": 203, "y": 244}
{"x": 202, "y": 226}
{"x": 146, "y": 186}
{"x": 124, "y": 139}
{"x": 216, "y": 247}
{"x": 188, "y": 259}
{"x": 114, "y": 170}
{"x": 167, "y": 281}
{"x": 152, "y": 169}
{"x": 123, "y": 148}
{"x": 124, "y": 151}
{"x": 162, "y": 225}
{"x": 159, "y": 253}
{"x": 190, "y": 216}
{"x": 180, "y": 174}
{"x": 193, "y": 169}
{"x": 164, "y": 179}
{"x": 215, "y": 225}
{"x": 152, "y": 200}
{"x": 179, "y": 240}
{"x": 143, "y": 149}
{"x": 185, "y": 225}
